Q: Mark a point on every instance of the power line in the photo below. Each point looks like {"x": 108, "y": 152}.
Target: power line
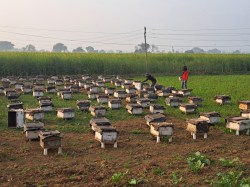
{"x": 204, "y": 29}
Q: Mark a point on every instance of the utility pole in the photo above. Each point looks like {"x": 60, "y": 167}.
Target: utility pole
{"x": 146, "y": 54}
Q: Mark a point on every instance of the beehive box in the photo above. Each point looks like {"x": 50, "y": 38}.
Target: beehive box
{"x": 51, "y": 81}
{"x": 32, "y": 130}
{"x": 50, "y": 89}
{"x": 126, "y": 85}
{"x": 144, "y": 102}
{"x": 26, "y": 89}
{"x": 37, "y": 92}
{"x": 81, "y": 84}
{"x": 95, "y": 122}
{"x": 109, "y": 91}
{"x": 106, "y": 79}
{"x": 155, "y": 118}
{"x": 8, "y": 91}
{"x": 130, "y": 90}
{"x": 92, "y": 95}
{"x": 151, "y": 96}
{"x": 162, "y": 129}
{"x": 238, "y": 124}
{"x": 68, "y": 85}
{"x": 87, "y": 85}
{"x": 66, "y": 113}
{"x": 222, "y": 99}
{"x": 131, "y": 98}
{"x": 134, "y": 108}
{"x": 18, "y": 85}
{"x": 244, "y": 105}
{"x": 155, "y": 108}
{"x": 59, "y": 82}
{"x": 50, "y": 140}
{"x": 158, "y": 87}
{"x": 188, "y": 108}
{"x": 195, "y": 100}
{"x": 99, "y": 83}
{"x": 12, "y": 95}
{"x": 211, "y": 117}
{"x": 44, "y": 99}
{"x": 245, "y": 113}
{"x": 83, "y": 104}
{"x": 185, "y": 92}
{"x": 115, "y": 103}
{"x": 198, "y": 125}
{"x": 141, "y": 93}
{"x": 74, "y": 88}
{"x": 101, "y": 98}
{"x": 39, "y": 85}
{"x": 14, "y": 106}
{"x": 117, "y": 83}
{"x": 66, "y": 95}
{"x": 97, "y": 111}
{"x": 149, "y": 90}
{"x": 173, "y": 101}
{"x": 138, "y": 85}
{"x": 6, "y": 83}
{"x": 1, "y": 90}
{"x": 106, "y": 135}
{"x": 94, "y": 89}
{"x": 175, "y": 95}
{"x": 34, "y": 114}
{"x": 121, "y": 94}
{"x": 163, "y": 92}
{"x": 46, "y": 106}
{"x": 86, "y": 77}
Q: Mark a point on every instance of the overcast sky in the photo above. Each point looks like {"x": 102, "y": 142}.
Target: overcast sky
{"x": 118, "y": 24}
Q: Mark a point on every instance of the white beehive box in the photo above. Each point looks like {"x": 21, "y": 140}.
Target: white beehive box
{"x": 46, "y": 106}
{"x": 245, "y": 113}
{"x": 50, "y": 89}
{"x": 244, "y": 105}
{"x": 185, "y": 92}
{"x": 198, "y": 125}
{"x": 106, "y": 135}
{"x": 26, "y": 89}
{"x": 155, "y": 118}
{"x": 83, "y": 104}
{"x": 195, "y": 100}
{"x": 15, "y": 118}
{"x": 97, "y": 111}
{"x": 134, "y": 109}
{"x": 102, "y": 98}
{"x": 173, "y": 101}
{"x": 32, "y": 130}
{"x": 92, "y": 95}
{"x": 144, "y": 102}
{"x": 222, "y": 99}
{"x": 115, "y": 103}
{"x": 154, "y": 108}
{"x": 131, "y": 98}
{"x": 35, "y": 114}
{"x": 109, "y": 91}
{"x": 18, "y": 85}
{"x": 238, "y": 124}
{"x": 211, "y": 117}
{"x": 162, "y": 129}
{"x": 66, "y": 95}
{"x": 120, "y": 94}
{"x": 188, "y": 108}
{"x": 38, "y": 92}
{"x": 66, "y": 113}
{"x": 138, "y": 85}
{"x": 102, "y": 121}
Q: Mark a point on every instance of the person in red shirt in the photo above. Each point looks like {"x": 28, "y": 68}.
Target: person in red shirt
{"x": 184, "y": 77}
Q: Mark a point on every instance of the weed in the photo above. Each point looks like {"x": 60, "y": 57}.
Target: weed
{"x": 197, "y": 161}
{"x": 137, "y": 132}
{"x": 158, "y": 171}
{"x": 134, "y": 181}
{"x": 229, "y": 163}
{"x": 117, "y": 177}
{"x": 175, "y": 178}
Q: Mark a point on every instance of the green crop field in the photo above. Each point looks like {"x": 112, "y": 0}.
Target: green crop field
{"x": 237, "y": 86}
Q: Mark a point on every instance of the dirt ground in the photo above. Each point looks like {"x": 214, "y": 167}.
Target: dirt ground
{"x": 84, "y": 163}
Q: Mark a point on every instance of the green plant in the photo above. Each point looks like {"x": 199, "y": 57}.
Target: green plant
{"x": 158, "y": 171}
{"x": 137, "y": 132}
{"x": 134, "y": 181}
{"x": 197, "y": 161}
{"x": 175, "y": 178}
{"x": 117, "y": 177}
{"x": 228, "y": 163}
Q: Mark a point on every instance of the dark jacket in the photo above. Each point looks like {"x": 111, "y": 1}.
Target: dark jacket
{"x": 150, "y": 77}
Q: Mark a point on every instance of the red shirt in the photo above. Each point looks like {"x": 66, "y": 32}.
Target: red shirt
{"x": 184, "y": 75}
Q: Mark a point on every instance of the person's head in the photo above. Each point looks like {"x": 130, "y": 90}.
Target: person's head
{"x": 184, "y": 68}
{"x": 147, "y": 74}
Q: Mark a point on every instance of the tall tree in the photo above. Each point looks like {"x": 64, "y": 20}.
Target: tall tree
{"x": 90, "y": 49}
{"x": 59, "y": 47}
{"x": 29, "y": 48}
{"x": 78, "y": 50}
{"x": 6, "y": 46}
{"x": 140, "y": 48}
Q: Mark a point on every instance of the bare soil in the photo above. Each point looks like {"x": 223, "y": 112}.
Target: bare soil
{"x": 84, "y": 163}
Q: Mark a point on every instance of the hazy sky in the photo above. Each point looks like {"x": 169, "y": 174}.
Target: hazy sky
{"x": 118, "y": 24}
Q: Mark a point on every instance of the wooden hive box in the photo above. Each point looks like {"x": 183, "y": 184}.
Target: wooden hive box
{"x": 66, "y": 78}
{"x": 83, "y": 104}
{"x": 126, "y": 85}
{"x": 176, "y": 95}
{"x": 6, "y": 83}
{"x": 144, "y": 102}
{"x": 66, "y": 95}
{"x": 151, "y": 96}
{"x": 34, "y": 114}
{"x": 117, "y": 83}
{"x": 149, "y": 90}
{"x": 50, "y": 140}
{"x": 115, "y": 103}
{"x": 173, "y": 101}
{"x": 95, "y": 122}
{"x": 32, "y": 130}
{"x": 46, "y": 106}
{"x": 185, "y": 92}
{"x": 211, "y": 117}
{"x": 131, "y": 98}
{"x": 155, "y": 118}
{"x": 158, "y": 87}
{"x": 50, "y": 89}
{"x": 86, "y": 77}
{"x": 94, "y": 89}
{"x": 109, "y": 91}
{"x": 222, "y": 99}
{"x": 195, "y": 100}
{"x": 14, "y": 106}
{"x": 106, "y": 79}
{"x": 238, "y": 124}
{"x": 88, "y": 85}
{"x": 38, "y": 86}
{"x": 188, "y": 108}
{"x": 12, "y": 95}
{"x": 8, "y": 91}
{"x": 101, "y": 98}
{"x": 106, "y": 135}
{"x": 68, "y": 85}
{"x": 44, "y": 99}
{"x": 37, "y": 92}
{"x": 26, "y": 89}
{"x": 15, "y": 118}
{"x": 99, "y": 83}
{"x": 138, "y": 85}
{"x": 162, "y": 129}
{"x": 134, "y": 108}
{"x": 81, "y": 83}
{"x": 74, "y": 88}
{"x": 97, "y": 111}
{"x": 92, "y": 95}
{"x": 128, "y": 81}
{"x": 59, "y": 82}
{"x": 155, "y": 108}
{"x": 198, "y": 125}
{"x": 121, "y": 94}
{"x": 18, "y": 85}
{"x": 244, "y": 105}
{"x": 66, "y": 113}
{"x": 130, "y": 90}
{"x": 245, "y": 113}
{"x": 141, "y": 93}
{"x": 163, "y": 92}
{"x": 51, "y": 81}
